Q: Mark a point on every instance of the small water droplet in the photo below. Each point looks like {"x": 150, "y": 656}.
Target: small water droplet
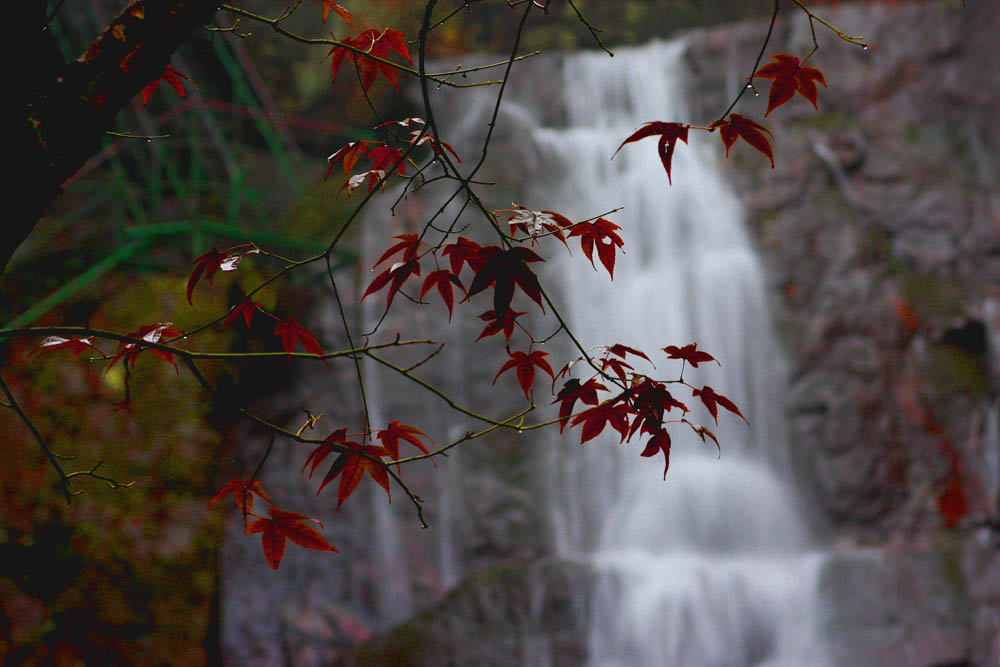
{"x": 756, "y": 94}
{"x": 149, "y": 141}
{"x": 864, "y": 48}
{"x": 749, "y": 86}
{"x": 519, "y": 431}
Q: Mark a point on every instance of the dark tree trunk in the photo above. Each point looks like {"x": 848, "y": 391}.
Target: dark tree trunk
{"x": 69, "y": 107}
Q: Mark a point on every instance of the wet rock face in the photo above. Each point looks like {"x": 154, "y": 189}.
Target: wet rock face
{"x": 879, "y": 227}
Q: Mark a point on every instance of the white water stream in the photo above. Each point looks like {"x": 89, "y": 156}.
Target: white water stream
{"x": 713, "y": 566}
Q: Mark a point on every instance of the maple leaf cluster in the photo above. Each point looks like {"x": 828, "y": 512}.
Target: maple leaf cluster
{"x": 275, "y": 529}
{"x": 788, "y": 76}
{"x": 444, "y": 263}
{"x": 641, "y": 404}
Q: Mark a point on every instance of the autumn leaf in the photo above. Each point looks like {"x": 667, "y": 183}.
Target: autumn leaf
{"x": 394, "y": 276}
{"x": 689, "y": 353}
{"x": 151, "y": 333}
{"x": 242, "y": 491}
{"x": 952, "y": 503}
{"x": 419, "y": 140}
{"x": 75, "y": 345}
{"x": 376, "y": 43}
{"x": 669, "y": 133}
{"x": 337, "y": 9}
{"x": 443, "y": 280}
{"x": 409, "y": 245}
{"x": 505, "y": 269}
{"x": 616, "y": 365}
{"x": 594, "y": 420}
{"x": 525, "y": 364}
{"x": 659, "y": 443}
{"x": 787, "y": 78}
{"x": 461, "y": 252}
{"x": 348, "y": 156}
{"x": 383, "y": 158}
{"x": 351, "y": 467}
{"x": 702, "y": 432}
{"x": 751, "y": 131}
{"x": 397, "y": 431}
{"x": 650, "y": 400}
{"x": 319, "y": 454}
{"x": 711, "y": 399}
{"x": 600, "y": 233}
{"x": 291, "y": 333}
{"x": 287, "y": 525}
{"x": 245, "y": 309}
{"x": 206, "y": 264}
{"x": 532, "y": 223}
{"x": 620, "y": 350}
{"x": 572, "y": 392}
{"x": 372, "y": 178}
{"x": 171, "y": 75}
{"x": 505, "y": 323}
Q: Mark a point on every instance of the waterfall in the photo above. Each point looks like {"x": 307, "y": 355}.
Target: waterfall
{"x": 712, "y": 566}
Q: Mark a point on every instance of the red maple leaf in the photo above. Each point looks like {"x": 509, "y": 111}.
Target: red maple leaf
{"x": 620, "y": 350}
{"x": 372, "y": 178}
{"x": 461, "y": 252}
{"x": 524, "y": 364}
{"x": 710, "y": 399}
{"x": 348, "y": 156}
{"x": 787, "y": 78}
{"x": 503, "y": 270}
{"x": 394, "y": 276}
{"x": 659, "y": 443}
{"x": 613, "y": 413}
{"x": 532, "y": 223}
{"x": 434, "y": 144}
{"x": 171, "y": 75}
{"x": 383, "y": 158}
{"x": 443, "y": 280}
{"x": 409, "y": 245}
{"x": 291, "y": 332}
{"x": 245, "y": 309}
{"x": 669, "y": 133}
{"x": 650, "y": 400}
{"x": 319, "y": 454}
{"x": 505, "y": 323}
{"x": 351, "y": 467}
{"x": 76, "y": 345}
{"x": 752, "y": 132}
{"x": 338, "y": 10}
{"x": 689, "y": 353}
{"x": 151, "y": 333}
{"x": 396, "y": 431}
{"x": 243, "y": 492}
{"x": 207, "y": 263}
{"x": 572, "y": 392}
{"x": 952, "y": 503}
{"x": 287, "y": 525}
{"x": 601, "y": 233}
{"x": 372, "y": 42}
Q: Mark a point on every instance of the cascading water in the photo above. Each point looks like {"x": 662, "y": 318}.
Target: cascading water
{"x": 712, "y": 566}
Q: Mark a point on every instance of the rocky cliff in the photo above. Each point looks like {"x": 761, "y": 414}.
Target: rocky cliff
{"x": 880, "y": 224}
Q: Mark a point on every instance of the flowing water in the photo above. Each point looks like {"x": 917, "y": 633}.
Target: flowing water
{"x": 712, "y": 566}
